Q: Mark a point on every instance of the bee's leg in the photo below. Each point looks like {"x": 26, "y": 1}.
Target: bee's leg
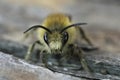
{"x": 82, "y": 60}
{"x": 44, "y": 61}
{"x": 30, "y": 50}
{"x": 82, "y": 32}
{"x": 41, "y": 56}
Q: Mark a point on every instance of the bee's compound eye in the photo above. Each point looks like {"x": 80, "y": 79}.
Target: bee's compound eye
{"x": 65, "y": 37}
{"x": 46, "y": 38}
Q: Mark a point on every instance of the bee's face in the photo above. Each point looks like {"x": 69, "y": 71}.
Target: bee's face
{"x": 56, "y": 41}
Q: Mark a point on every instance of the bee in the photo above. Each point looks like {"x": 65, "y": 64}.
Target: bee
{"x": 56, "y": 34}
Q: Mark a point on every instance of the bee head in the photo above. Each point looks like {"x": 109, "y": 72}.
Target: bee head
{"x": 56, "y": 40}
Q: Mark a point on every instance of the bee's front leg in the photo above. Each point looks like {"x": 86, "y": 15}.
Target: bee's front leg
{"x": 78, "y": 51}
{"x": 30, "y": 50}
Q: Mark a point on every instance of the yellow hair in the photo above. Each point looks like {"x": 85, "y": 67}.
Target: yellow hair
{"x": 57, "y": 21}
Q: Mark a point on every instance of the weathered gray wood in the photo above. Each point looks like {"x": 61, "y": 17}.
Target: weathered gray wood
{"x": 105, "y": 65}
{"x": 12, "y": 68}
{"x": 16, "y": 49}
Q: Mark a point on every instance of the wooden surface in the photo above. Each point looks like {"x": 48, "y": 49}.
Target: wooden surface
{"x": 105, "y": 65}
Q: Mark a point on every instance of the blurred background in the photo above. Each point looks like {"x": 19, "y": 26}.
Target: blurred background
{"x": 102, "y": 16}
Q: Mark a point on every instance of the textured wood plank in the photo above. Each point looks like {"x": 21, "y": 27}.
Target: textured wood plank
{"x": 105, "y": 65}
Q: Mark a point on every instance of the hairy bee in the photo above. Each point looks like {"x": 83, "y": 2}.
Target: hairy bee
{"x": 56, "y": 34}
